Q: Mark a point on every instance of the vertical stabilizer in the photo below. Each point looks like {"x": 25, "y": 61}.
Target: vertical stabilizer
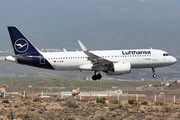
{"x": 20, "y": 43}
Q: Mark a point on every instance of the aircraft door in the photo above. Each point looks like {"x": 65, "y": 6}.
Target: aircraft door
{"x": 42, "y": 60}
{"x": 154, "y": 55}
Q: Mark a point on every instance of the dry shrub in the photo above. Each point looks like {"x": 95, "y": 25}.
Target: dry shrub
{"x": 26, "y": 116}
{"x": 100, "y": 115}
{"x": 70, "y": 118}
{"x": 149, "y": 117}
{"x": 113, "y": 106}
{"x": 156, "y": 110}
{"x": 167, "y": 108}
{"x": 132, "y": 118}
{"x": 132, "y": 102}
{"x": 124, "y": 115}
{"x": 101, "y": 100}
{"x": 113, "y": 114}
{"x": 10, "y": 105}
{"x": 71, "y": 104}
{"x": 144, "y": 103}
{"x": 20, "y": 115}
{"x": 37, "y": 99}
{"x": 92, "y": 104}
{"x": 174, "y": 117}
{"x": 66, "y": 109}
{"x": 150, "y": 109}
{"x": 159, "y": 103}
{"x": 114, "y": 101}
{"x": 27, "y": 103}
{"x": 16, "y": 106}
{"x": 41, "y": 111}
{"x": 40, "y": 118}
{"x": 32, "y": 109}
{"x": 19, "y": 119}
{"x": 5, "y": 101}
{"x": 125, "y": 108}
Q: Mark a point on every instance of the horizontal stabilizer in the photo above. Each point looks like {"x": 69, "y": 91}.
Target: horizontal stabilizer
{"x": 19, "y": 57}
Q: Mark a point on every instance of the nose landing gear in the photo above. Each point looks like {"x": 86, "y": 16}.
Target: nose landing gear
{"x": 154, "y": 75}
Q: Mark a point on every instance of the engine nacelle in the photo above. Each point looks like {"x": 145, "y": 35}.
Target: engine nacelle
{"x": 120, "y": 68}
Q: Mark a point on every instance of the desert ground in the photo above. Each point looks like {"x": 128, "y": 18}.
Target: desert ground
{"x": 69, "y": 109}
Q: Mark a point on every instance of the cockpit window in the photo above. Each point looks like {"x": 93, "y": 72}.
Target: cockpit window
{"x": 166, "y": 54}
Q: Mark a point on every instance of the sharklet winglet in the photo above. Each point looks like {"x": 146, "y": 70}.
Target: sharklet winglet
{"x": 82, "y": 46}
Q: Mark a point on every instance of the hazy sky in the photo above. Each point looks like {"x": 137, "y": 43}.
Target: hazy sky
{"x": 43, "y": 18}
{"x": 61, "y": 14}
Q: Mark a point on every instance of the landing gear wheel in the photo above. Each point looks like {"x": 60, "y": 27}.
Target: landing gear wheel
{"x": 94, "y": 77}
{"x": 154, "y": 75}
{"x": 99, "y": 76}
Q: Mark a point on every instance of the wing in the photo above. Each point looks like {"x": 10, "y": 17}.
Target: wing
{"x": 96, "y": 60}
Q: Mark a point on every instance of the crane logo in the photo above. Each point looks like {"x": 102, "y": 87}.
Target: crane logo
{"x": 21, "y": 45}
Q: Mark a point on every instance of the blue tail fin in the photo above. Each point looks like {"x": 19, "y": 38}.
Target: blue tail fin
{"x": 20, "y": 43}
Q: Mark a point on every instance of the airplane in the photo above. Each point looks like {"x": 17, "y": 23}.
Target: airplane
{"x": 111, "y": 62}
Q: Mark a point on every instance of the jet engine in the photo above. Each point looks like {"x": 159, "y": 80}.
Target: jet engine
{"x": 120, "y": 68}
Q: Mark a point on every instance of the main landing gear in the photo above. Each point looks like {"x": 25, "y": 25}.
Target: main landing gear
{"x": 96, "y": 77}
{"x": 154, "y": 75}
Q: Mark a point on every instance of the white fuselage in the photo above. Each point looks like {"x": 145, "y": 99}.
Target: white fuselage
{"x": 139, "y": 58}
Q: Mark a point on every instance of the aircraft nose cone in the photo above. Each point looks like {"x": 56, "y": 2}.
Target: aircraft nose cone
{"x": 173, "y": 60}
